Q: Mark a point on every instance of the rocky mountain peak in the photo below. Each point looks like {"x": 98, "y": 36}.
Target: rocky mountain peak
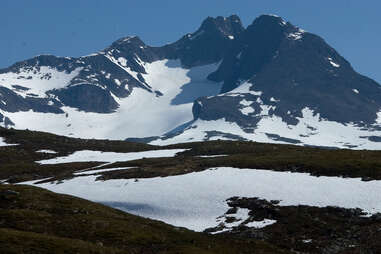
{"x": 254, "y": 49}
{"x": 206, "y": 45}
{"x": 269, "y": 19}
{"x": 128, "y": 41}
{"x": 230, "y": 26}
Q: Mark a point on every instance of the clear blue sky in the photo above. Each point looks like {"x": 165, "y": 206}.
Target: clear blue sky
{"x": 80, "y": 27}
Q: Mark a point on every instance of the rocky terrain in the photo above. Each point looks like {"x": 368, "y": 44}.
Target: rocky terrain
{"x": 304, "y": 229}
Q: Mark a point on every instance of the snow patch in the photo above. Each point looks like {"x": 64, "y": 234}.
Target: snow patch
{"x": 96, "y": 171}
{"x": 87, "y": 155}
{"x": 245, "y": 102}
{"x": 122, "y": 61}
{"x": 212, "y": 156}
{"x": 244, "y": 88}
{"x": 378, "y": 119}
{"x": 46, "y": 151}
{"x": 247, "y": 110}
{"x": 260, "y": 224}
{"x": 333, "y": 63}
{"x": 272, "y": 99}
{"x": 92, "y": 54}
{"x": 37, "y": 80}
{"x": 296, "y": 35}
{"x": 117, "y": 82}
{"x": 196, "y": 200}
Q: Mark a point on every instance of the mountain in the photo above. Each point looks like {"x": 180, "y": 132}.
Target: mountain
{"x": 106, "y": 94}
{"x": 282, "y": 84}
{"x": 269, "y": 82}
{"x": 299, "y": 70}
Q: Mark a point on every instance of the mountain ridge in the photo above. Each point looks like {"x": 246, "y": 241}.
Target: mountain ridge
{"x": 270, "y": 70}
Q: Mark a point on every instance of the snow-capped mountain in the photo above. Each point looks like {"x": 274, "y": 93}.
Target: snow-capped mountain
{"x": 120, "y": 91}
{"x": 283, "y": 84}
{"x": 270, "y": 82}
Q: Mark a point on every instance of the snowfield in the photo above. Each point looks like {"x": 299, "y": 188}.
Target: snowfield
{"x": 141, "y": 114}
{"x": 37, "y": 81}
{"x": 196, "y": 200}
{"x": 311, "y": 130}
{"x": 110, "y": 157}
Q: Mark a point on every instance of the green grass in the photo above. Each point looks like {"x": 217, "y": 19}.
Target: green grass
{"x": 17, "y": 163}
{"x": 14, "y": 242}
{"x": 36, "y": 140}
{"x": 316, "y": 161}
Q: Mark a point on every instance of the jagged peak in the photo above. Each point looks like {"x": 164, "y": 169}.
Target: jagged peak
{"x": 271, "y": 23}
{"x": 128, "y": 44}
{"x": 129, "y": 40}
{"x": 221, "y": 19}
{"x": 231, "y": 25}
{"x": 276, "y": 17}
{"x": 235, "y": 18}
{"x": 270, "y": 19}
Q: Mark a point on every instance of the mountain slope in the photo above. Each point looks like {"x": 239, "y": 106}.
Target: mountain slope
{"x": 299, "y": 70}
{"x": 282, "y": 84}
{"x": 105, "y": 94}
{"x": 269, "y": 82}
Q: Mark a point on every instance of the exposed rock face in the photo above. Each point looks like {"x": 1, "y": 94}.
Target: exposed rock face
{"x": 298, "y": 69}
{"x": 209, "y": 44}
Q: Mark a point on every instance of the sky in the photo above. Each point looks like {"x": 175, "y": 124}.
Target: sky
{"x": 80, "y": 27}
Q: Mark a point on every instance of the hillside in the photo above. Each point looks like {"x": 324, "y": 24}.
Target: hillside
{"x": 243, "y": 197}
{"x": 39, "y": 221}
{"x": 20, "y": 162}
